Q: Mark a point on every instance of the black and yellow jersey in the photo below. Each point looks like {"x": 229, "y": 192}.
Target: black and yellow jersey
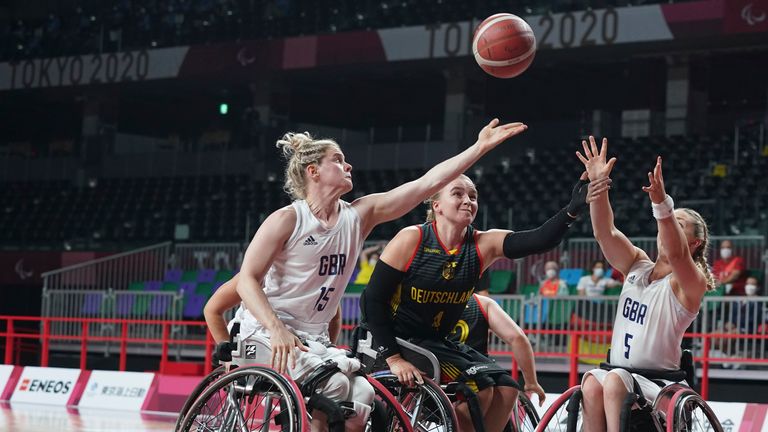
{"x": 437, "y": 286}
{"x": 472, "y": 328}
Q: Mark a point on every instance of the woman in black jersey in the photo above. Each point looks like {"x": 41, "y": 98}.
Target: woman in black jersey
{"x": 427, "y": 274}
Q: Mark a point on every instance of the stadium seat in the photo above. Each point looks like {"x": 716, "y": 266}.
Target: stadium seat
{"x": 501, "y": 281}
{"x": 189, "y": 276}
{"x": 173, "y": 275}
{"x": 92, "y": 304}
{"x": 159, "y": 305}
{"x": 153, "y": 286}
{"x": 571, "y": 276}
{"x": 193, "y": 305}
{"x": 171, "y": 286}
{"x": 207, "y": 275}
{"x": 224, "y": 275}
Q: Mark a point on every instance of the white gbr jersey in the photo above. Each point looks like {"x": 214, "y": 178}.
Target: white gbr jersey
{"x": 308, "y": 277}
{"x": 650, "y": 322}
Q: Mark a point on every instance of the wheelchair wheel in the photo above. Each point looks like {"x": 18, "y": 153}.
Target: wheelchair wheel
{"x": 253, "y": 398}
{"x": 688, "y": 412}
{"x": 555, "y": 419}
{"x": 426, "y": 405}
{"x": 387, "y": 415}
{"x": 198, "y": 390}
{"x": 524, "y": 418}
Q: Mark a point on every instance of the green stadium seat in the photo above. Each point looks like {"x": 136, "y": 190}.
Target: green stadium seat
{"x": 204, "y": 289}
{"x": 613, "y": 291}
{"x": 355, "y": 288}
{"x": 141, "y": 305}
{"x": 170, "y": 286}
{"x": 501, "y": 281}
{"x": 224, "y": 275}
{"x": 189, "y": 276}
{"x": 136, "y": 286}
{"x": 560, "y": 311}
{"x": 529, "y": 290}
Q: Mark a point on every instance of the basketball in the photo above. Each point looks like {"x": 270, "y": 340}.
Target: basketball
{"x": 504, "y": 45}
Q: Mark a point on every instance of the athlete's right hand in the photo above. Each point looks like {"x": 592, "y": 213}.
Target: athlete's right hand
{"x": 283, "y": 343}
{"x": 493, "y": 134}
{"x": 404, "y": 370}
{"x": 594, "y": 160}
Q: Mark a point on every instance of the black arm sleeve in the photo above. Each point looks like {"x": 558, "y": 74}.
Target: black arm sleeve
{"x": 541, "y": 239}
{"x": 375, "y": 306}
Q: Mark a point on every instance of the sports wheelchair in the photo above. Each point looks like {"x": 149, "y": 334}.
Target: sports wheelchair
{"x": 430, "y": 405}
{"x": 677, "y": 408}
{"x": 257, "y": 398}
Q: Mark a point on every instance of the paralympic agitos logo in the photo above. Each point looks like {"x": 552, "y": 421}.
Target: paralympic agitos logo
{"x": 45, "y": 386}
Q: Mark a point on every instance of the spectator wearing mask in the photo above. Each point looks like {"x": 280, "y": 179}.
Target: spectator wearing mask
{"x": 729, "y": 270}
{"x": 595, "y": 284}
{"x": 552, "y": 286}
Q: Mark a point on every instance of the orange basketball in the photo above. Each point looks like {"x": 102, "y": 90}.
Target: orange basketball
{"x": 504, "y": 45}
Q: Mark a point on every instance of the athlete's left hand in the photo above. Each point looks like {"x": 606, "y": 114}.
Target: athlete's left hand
{"x": 655, "y": 190}
{"x": 531, "y": 388}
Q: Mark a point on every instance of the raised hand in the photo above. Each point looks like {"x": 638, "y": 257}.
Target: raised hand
{"x": 283, "y": 343}
{"x": 594, "y": 160}
{"x": 655, "y": 189}
{"x": 493, "y": 134}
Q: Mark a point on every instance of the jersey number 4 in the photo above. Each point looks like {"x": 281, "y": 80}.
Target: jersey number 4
{"x": 322, "y": 299}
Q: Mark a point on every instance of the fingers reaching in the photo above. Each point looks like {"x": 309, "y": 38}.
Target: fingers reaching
{"x": 584, "y": 176}
{"x": 593, "y": 146}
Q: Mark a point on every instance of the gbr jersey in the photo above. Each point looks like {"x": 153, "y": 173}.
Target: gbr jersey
{"x": 308, "y": 277}
{"x": 650, "y": 322}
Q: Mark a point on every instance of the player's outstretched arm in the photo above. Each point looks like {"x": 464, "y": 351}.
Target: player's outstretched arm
{"x": 689, "y": 278}
{"x": 616, "y": 247}
{"x": 382, "y": 207}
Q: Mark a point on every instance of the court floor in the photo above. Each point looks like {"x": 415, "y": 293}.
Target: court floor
{"x": 21, "y": 417}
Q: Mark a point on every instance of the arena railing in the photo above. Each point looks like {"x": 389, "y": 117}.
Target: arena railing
{"x": 10, "y": 334}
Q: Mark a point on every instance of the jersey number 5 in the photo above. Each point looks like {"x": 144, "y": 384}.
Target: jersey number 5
{"x": 322, "y": 299}
{"x": 627, "y": 337}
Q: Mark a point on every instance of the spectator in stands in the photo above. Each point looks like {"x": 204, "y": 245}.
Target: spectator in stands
{"x": 298, "y": 264}
{"x": 729, "y": 270}
{"x": 552, "y": 285}
{"x": 595, "y": 284}
{"x": 368, "y": 258}
{"x": 746, "y": 317}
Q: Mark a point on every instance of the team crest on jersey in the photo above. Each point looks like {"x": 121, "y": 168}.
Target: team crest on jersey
{"x": 449, "y": 270}
{"x": 250, "y": 351}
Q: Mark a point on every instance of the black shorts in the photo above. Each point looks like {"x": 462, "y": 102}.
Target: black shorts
{"x": 460, "y": 362}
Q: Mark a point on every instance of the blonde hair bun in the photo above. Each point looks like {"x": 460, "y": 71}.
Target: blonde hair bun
{"x": 292, "y": 142}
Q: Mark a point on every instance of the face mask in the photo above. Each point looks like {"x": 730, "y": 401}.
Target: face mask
{"x": 725, "y": 253}
{"x": 551, "y": 273}
{"x": 750, "y": 289}
{"x": 598, "y": 272}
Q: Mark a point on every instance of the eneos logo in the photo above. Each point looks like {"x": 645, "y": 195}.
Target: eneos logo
{"x": 45, "y": 386}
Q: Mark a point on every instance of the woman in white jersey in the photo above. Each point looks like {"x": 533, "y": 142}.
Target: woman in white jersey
{"x": 299, "y": 262}
{"x": 658, "y": 301}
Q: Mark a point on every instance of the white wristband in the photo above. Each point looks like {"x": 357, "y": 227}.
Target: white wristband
{"x": 664, "y": 209}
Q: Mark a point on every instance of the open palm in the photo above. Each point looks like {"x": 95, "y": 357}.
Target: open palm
{"x": 493, "y": 134}
{"x": 595, "y": 161}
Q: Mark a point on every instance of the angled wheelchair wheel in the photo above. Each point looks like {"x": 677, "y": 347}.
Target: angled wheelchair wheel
{"x": 688, "y": 412}
{"x": 253, "y": 398}
{"x": 426, "y": 405}
{"x": 565, "y": 413}
{"x": 524, "y": 418}
{"x": 387, "y": 415}
{"x": 196, "y": 392}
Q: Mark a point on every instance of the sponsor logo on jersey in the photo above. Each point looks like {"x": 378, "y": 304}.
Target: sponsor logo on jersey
{"x": 250, "y": 351}
{"x": 310, "y": 241}
{"x": 432, "y": 251}
{"x": 631, "y": 279}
